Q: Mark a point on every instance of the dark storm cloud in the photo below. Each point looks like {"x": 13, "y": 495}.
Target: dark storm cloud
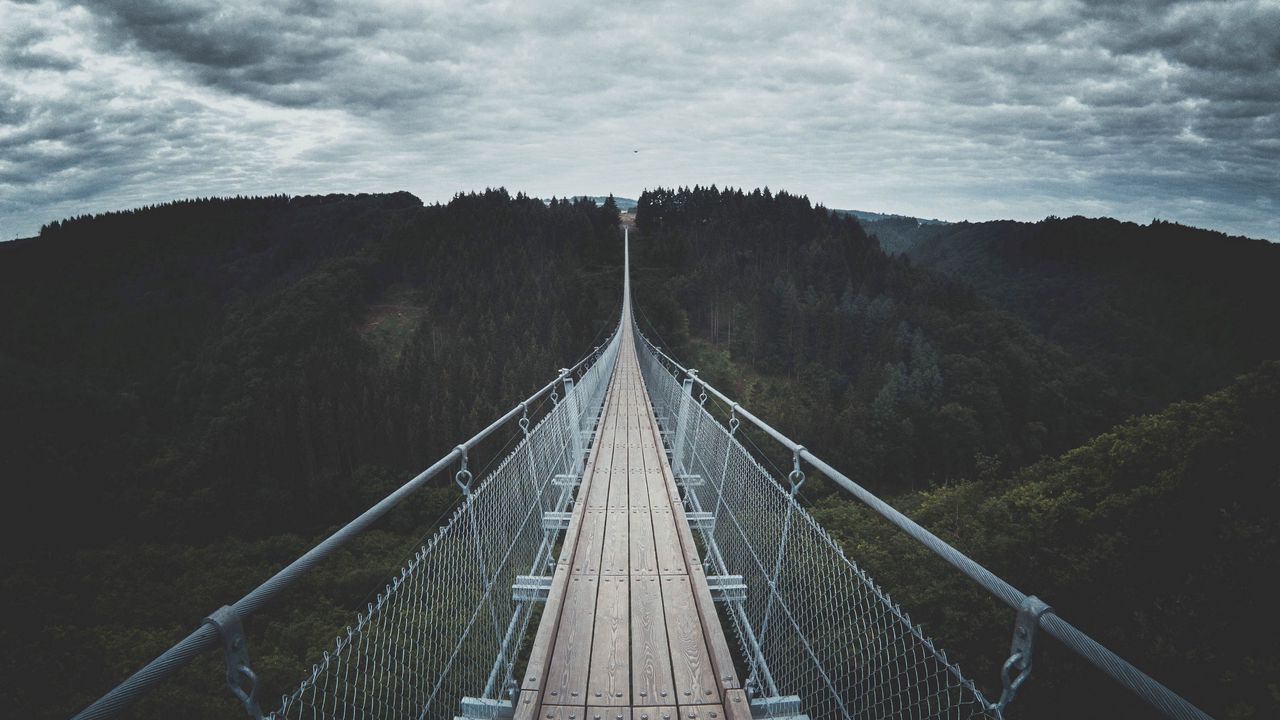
{"x": 300, "y": 53}
{"x": 982, "y": 109}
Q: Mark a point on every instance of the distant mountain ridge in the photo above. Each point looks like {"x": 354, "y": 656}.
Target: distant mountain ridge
{"x": 624, "y": 204}
{"x": 865, "y": 216}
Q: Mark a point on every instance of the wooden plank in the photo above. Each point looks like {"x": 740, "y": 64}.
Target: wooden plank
{"x": 608, "y": 713}
{"x": 702, "y": 712}
{"x": 736, "y": 705}
{"x": 596, "y": 483}
{"x": 535, "y": 675}
{"x": 609, "y": 679}
{"x": 562, "y": 712}
{"x": 692, "y": 672}
{"x": 655, "y": 481}
{"x": 615, "y": 560}
{"x": 596, "y": 490}
{"x": 526, "y": 705}
{"x": 544, "y": 641}
{"x": 713, "y": 631}
{"x": 590, "y": 542}
{"x": 619, "y": 478}
{"x": 651, "y": 682}
{"x": 637, "y": 487}
{"x": 661, "y": 712}
{"x": 570, "y": 659}
{"x": 666, "y": 543}
{"x": 643, "y": 559}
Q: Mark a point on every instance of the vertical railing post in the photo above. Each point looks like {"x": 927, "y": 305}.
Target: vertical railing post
{"x": 575, "y": 422}
{"x": 682, "y": 424}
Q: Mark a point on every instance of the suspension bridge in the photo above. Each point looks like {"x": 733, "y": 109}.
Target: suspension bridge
{"x": 666, "y": 573}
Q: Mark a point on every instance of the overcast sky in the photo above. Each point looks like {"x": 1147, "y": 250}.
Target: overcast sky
{"x": 975, "y": 110}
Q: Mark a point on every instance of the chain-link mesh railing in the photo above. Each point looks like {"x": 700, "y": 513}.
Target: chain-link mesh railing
{"x": 813, "y": 624}
{"x": 446, "y": 626}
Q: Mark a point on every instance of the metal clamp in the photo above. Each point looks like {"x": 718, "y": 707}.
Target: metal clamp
{"x": 1017, "y": 668}
{"x": 463, "y": 477}
{"x": 796, "y": 478}
{"x": 524, "y": 418}
{"x": 239, "y": 675}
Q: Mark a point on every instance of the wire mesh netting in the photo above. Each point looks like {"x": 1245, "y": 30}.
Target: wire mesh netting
{"x": 813, "y": 624}
{"x": 447, "y": 626}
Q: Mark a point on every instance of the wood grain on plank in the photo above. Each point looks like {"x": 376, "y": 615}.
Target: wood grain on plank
{"x": 721, "y": 659}
{"x": 615, "y": 559}
{"x": 643, "y": 558}
{"x": 691, "y": 668}
{"x": 562, "y": 712}
{"x": 608, "y": 713}
{"x": 660, "y": 712}
{"x": 609, "y": 680}
{"x": 590, "y": 542}
{"x": 526, "y": 705}
{"x": 736, "y": 705}
{"x": 535, "y": 674}
{"x": 571, "y": 657}
{"x": 666, "y": 543}
{"x": 651, "y": 682}
{"x": 702, "y": 712}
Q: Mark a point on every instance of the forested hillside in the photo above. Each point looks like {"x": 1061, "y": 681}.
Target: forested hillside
{"x": 962, "y": 394}
{"x": 193, "y": 394}
{"x": 1159, "y": 537}
{"x": 1165, "y": 311}
{"x": 903, "y": 377}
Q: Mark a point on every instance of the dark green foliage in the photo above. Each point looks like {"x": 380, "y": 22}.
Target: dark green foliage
{"x": 1163, "y": 311}
{"x": 193, "y": 394}
{"x": 1159, "y": 538}
{"x": 900, "y": 376}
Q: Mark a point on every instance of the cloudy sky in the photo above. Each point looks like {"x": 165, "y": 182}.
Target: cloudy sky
{"x": 959, "y": 110}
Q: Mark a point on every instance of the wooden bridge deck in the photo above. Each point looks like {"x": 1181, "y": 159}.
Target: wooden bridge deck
{"x": 629, "y": 631}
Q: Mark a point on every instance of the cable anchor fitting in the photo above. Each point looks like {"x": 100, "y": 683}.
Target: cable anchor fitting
{"x": 524, "y": 418}
{"x": 734, "y": 422}
{"x": 1017, "y": 668}
{"x": 463, "y": 477}
{"x": 796, "y": 478}
{"x": 240, "y": 676}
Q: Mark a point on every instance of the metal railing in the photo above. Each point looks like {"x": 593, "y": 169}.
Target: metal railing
{"x": 846, "y": 649}
{"x": 815, "y": 631}
{"x": 446, "y": 624}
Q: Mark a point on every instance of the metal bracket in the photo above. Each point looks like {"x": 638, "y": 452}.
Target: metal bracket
{"x": 531, "y": 588}
{"x": 703, "y": 521}
{"x": 556, "y": 520}
{"x": 774, "y": 707}
{"x": 688, "y": 480}
{"x": 727, "y": 588}
{"x": 485, "y": 709}
{"x": 565, "y": 480}
{"x": 1017, "y": 668}
{"x": 227, "y": 622}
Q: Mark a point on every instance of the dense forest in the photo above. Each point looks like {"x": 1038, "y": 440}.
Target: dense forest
{"x": 193, "y": 394}
{"x": 1164, "y": 310}
{"x": 1006, "y": 408}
